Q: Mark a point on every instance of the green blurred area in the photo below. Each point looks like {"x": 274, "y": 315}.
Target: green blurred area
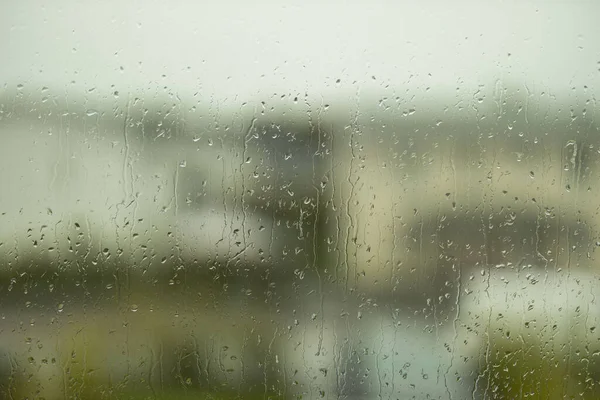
{"x": 183, "y": 395}
{"x": 526, "y": 370}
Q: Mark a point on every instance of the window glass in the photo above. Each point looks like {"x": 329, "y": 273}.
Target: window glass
{"x": 298, "y": 200}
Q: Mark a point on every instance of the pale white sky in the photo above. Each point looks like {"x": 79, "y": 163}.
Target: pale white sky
{"x": 233, "y": 51}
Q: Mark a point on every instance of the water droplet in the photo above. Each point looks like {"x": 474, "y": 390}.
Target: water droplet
{"x": 134, "y": 307}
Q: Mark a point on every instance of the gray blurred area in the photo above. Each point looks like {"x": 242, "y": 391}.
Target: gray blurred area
{"x": 269, "y": 212}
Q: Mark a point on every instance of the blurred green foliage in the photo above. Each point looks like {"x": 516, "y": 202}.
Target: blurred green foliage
{"x": 518, "y": 369}
{"x": 187, "y": 395}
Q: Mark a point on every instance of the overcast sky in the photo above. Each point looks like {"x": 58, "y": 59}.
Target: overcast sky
{"x": 235, "y": 51}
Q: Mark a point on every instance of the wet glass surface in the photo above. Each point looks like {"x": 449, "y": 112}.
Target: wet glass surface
{"x": 299, "y": 200}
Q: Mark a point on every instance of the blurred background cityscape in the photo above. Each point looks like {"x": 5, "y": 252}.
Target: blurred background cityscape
{"x": 345, "y": 200}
